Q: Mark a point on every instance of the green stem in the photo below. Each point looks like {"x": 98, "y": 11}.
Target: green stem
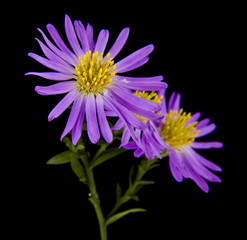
{"x": 94, "y": 198}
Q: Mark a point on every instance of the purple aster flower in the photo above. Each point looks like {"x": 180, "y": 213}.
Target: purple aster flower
{"x": 180, "y": 132}
{"x": 90, "y": 79}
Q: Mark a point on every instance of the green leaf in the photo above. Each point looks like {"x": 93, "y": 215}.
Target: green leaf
{"x": 78, "y": 169}
{"x": 143, "y": 182}
{"x": 111, "y": 153}
{"x": 119, "y": 192}
{"x": 117, "y": 216}
{"x": 62, "y": 158}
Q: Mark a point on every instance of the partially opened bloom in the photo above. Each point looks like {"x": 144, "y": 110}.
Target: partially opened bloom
{"x": 90, "y": 79}
{"x": 180, "y": 132}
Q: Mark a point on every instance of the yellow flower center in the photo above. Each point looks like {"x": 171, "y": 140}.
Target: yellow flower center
{"x": 176, "y": 132}
{"x": 151, "y": 96}
{"x": 93, "y": 74}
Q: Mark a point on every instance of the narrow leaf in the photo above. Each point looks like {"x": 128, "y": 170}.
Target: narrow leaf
{"x": 119, "y": 192}
{"x": 78, "y": 169}
{"x": 62, "y": 158}
{"x": 111, "y": 153}
{"x": 117, "y": 216}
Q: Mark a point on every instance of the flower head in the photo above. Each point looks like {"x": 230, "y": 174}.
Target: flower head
{"x": 180, "y": 132}
{"x": 90, "y": 78}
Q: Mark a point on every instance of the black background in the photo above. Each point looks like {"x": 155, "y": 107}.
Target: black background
{"x": 191, "y": 52}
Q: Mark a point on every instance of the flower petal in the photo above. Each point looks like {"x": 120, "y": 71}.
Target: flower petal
{"x": 91, "y": 116}
{"x": 50, "y": 64}
{"x": 74, "y": 113}
{"x": 82, "y": 35}
{"x": 70, "y": 32}
{"x": 58, "y": 40}
{"x": 206, "y": 130}
{"x": 58, "y": 88}
{"x": 103, "y": 123}
{"x": 135, "y": 65}
{"x": 52, "y": 75}
{"x": 174, "y": 170}
{"x": 62, "y": 105}
{"x": 119, "y": 43}
{"x": 134, "y": 58}
{"x": 89, "y": 32}
{"x": 206, "y": 145}
{"x": 141, "y": 79}
{"x": 77, "y": 129}
{"x": 102, "y": 41}
{"x": 66, "y": 57}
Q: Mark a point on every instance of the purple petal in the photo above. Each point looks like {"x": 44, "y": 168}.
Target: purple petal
{"x": 103, "y": 123}
{"x": 119, "y": 43}
{"x": 194, "y": 118}
{"x": 141, "y": 79}
{"x": 203, "y": 123}
{"x": 58, "y": 88}
{"x": 66, "y": 57}
{"x": 206, "y": 162}
{"x": 102, "y": 41}
{"x": 134, "y": 58}
{"x": 82, "y": 35}
{"x": 206, "y": 145}
{"x": 52, "y": 75}
{"x": 171, "y": 101}
{"x": 176, "y": 105}
{"x": 143, "y": 85}
{"x": 174, "y": 170}
{"x": 52, "y": 65}
{"x": 52, "y": 56}
{"x": 77, "y": 129}
{"x": 91, "y": 116}
{"x": 62, "y": 105}
{"x": 74, "y": 113}
{"x": 70, "y": 32}
{"x": 58, "y": 40}
{"x": 89, "y": 32}
{"x": 135, "y": 65}
{"x": 125, "y": 137}
{"x": 206, "y": 130}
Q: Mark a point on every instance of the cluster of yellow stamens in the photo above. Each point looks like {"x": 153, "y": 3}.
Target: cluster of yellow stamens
{"x": 151, "y": 96}
{"x": 93, "y": 74}
{"x": 176, "y": 132}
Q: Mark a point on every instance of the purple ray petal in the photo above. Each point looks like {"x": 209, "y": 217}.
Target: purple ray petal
{"x": 206, "y": 145}
{"x": 82, "y": 35}
{"x": 176, "y": 105}
{"x": 58, "y": 88}
{"x": 193, "y": 118}
{"x": 103, "y": 123}
{"x": 119, "y": 43}
{"x": 66, "y": 57}
{"x": 174, "y": 170}
{"x": 91, "y": 116}
{"x": 52, "y": 75}
{"x": 52, "y": 65}
{"x": 206, "y": 130}
{"x": 134, "y": 66}
{"x": 77, "y": 129}
{"x": 203, "y": 123}
{"x": 102, "y": 41}
{"x": 89, "y": 32}
{"x": 74, "y": 113}
{"x": 70, "y": 32}
{"x": 62, "y": 105}
{"x": 206, "y": 162}
{"x": 171, "y": 101}
{"x": 134, "y": 58}
{"x": 52, "y": 56}
{"x": 143, "y": 86}
{"x": 58, "y": 40}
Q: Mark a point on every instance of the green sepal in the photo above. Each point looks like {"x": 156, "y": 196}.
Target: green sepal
{"x": 117, "y": 216}
{"x": 111, "y": 153}
{"x": 78, "y": 169}
{"x": 62, "y": 158}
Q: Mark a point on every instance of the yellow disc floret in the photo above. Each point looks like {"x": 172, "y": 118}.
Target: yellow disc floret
{"x": 93, "y": 74}
{"x": 176, "y": 132}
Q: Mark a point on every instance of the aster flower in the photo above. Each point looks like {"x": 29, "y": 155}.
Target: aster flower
{"x": 90, "y": 78}
{"x": 149, "y": 141}
{"x": 180, "y": 132}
